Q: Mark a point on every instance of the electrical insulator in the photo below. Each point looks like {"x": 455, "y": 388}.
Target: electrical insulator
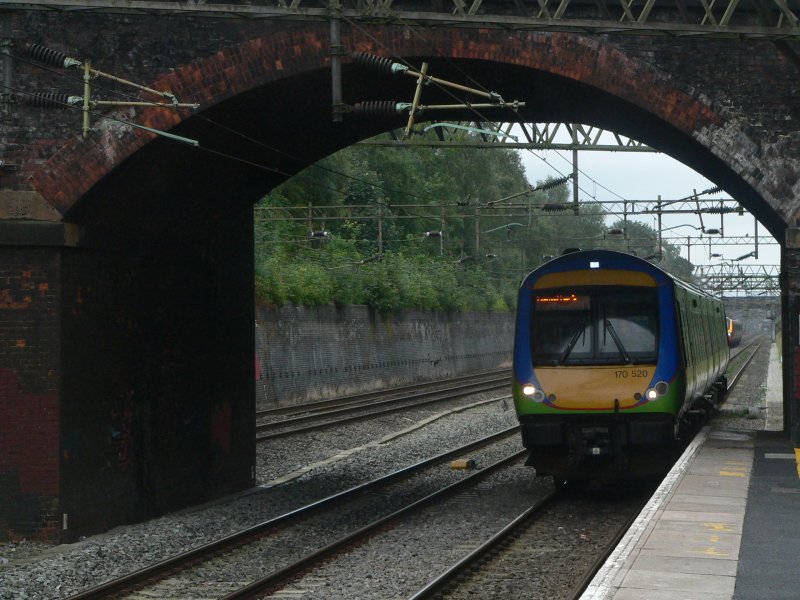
{"x": 375, "y": 109}
{"x": 377, "y": 63}
{"x": 49, "y": 100}
{"x": 552, "y": 184}
{"x": 47, "y": 56}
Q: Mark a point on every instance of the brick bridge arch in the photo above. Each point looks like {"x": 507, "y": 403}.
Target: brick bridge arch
{"x": 141, "y": 286}
{"x": 276, "y": 88}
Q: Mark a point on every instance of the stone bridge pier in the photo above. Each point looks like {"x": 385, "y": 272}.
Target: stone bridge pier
{"x": 126, "y": 260}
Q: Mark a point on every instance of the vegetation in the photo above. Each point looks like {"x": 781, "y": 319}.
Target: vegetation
{"x": 425, "y": 228}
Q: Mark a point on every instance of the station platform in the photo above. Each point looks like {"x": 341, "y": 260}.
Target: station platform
{"x": 724, "y": 524}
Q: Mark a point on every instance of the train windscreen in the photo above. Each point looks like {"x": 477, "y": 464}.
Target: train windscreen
{"x": 595, "y": 326}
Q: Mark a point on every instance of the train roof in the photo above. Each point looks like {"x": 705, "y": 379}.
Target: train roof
{"x": 614, "y": 259}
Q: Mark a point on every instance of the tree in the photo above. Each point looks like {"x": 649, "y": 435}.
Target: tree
{"x": 495, "y": 230}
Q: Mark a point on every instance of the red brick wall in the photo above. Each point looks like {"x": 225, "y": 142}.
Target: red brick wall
{"x": 29, "y": 392}
{"x": 158, "y": 394}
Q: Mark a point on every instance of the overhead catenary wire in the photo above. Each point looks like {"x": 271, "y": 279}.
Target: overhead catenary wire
{"x": 475, "y": 111}
{"x": 280, "y": 171}
{"x": 61, "y": 100}
{"x": 60, "y": 57}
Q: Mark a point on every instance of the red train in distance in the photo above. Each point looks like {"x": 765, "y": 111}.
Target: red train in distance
{"x": 735, "y": 330}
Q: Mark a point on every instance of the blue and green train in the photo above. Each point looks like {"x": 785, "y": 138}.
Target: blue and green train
{"x": 616, "y": 364}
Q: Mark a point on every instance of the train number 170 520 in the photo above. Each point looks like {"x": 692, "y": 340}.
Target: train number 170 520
{"x": 631, "y": 373}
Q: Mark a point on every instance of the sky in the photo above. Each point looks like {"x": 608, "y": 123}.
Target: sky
{"x": 645, "y": 176}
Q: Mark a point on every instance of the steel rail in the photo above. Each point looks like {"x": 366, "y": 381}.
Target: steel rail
{"x": 436, "y": 586}
{"x": 580, "y": 587}
{"x": 741, "y": 348}
{"x": 459, "y": 567}
{"x": 309, "y": 414}
{"x": 740, "y": 372}
{"x": 367, "y": 396}
{"x": 181, "y": 561}
{"x": 275, "y": 578}
{"x": 471, "y": 389}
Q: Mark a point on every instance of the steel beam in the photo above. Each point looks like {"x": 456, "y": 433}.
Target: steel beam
{"x": 532, "y": 136}
{"x": 729, "y": 19}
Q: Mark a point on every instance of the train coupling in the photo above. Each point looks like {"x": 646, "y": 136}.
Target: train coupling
{"x": 595, "y": 440}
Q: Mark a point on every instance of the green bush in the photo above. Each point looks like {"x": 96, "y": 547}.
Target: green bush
{"x": 378, "y": 203}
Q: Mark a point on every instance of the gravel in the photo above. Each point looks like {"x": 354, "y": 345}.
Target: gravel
{"x": 342, "y": 458}
{"x": 292, "y": 474}
{"x": 745, "y": 407}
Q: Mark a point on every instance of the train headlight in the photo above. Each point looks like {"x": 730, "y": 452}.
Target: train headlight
{"x": 659, "y": 389}
{"x": 530, "y": 391}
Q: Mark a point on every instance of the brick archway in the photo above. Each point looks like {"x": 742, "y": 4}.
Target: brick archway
{"x": 142, "y": 354}
{"x": 244, "y": 87}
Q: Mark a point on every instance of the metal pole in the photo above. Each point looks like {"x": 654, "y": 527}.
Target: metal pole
{"x": 87, "y": 96}
{"x": 660, "y": 255}
{"x": 575, "y": 169}
{"x": 441, "y": 232}
{"x": 790, "y": 317}
{"x": 8, "y": 62}
{"x": 380, "y": 228}
{"x": 415, "y": 102}
{"x": 336, "y": 51}
{"x": 755, "y": 254}
{"x": 625, "y": 224}
{"x": 477, "y": 231}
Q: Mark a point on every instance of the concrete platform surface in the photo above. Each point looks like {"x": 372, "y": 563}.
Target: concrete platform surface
{"x": 724, "y": 525}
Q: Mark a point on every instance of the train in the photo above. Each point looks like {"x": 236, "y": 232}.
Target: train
{"x": 616, "y": 364}
{"x": 734, "y": 330}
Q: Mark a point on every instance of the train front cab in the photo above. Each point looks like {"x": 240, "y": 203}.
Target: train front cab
{"x": 607, "y": 363}
{"x": 605, "y": 406}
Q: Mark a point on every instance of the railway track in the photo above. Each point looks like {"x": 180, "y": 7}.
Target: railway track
{"x": 749, "y": 350}
{"x": 366, "y": 397}
{"x": 317, "y": 416}
{"x": 280, "y": 577}
{"x": 519, "y": 559}
{"x": 217, "y": 561}
{"x": 509, "y": 563}
{"x": 274, "y": 537}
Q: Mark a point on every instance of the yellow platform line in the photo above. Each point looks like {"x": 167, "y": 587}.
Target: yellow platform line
{"x": 797, "y": 460}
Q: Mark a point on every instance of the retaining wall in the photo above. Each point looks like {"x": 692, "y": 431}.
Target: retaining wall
{"x": 311, "y": 353}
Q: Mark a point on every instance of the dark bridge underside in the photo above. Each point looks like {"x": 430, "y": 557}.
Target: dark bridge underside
{"x": 256, "y": 140}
